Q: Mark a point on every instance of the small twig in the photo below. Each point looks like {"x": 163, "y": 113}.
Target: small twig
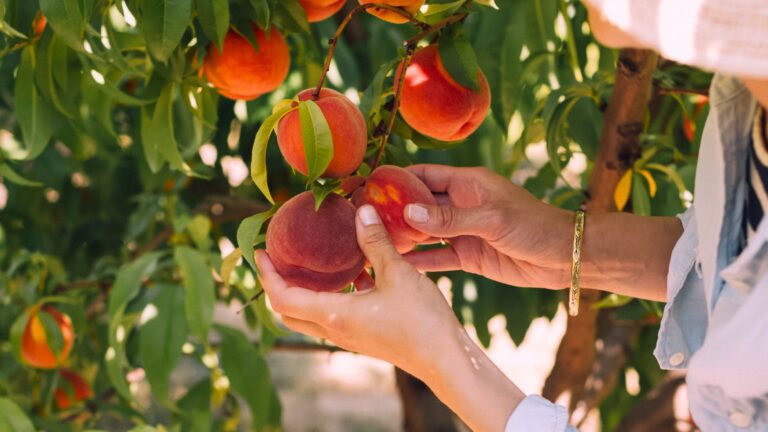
{"x": 250, "y": 301}
{"x": 434, "y": 29}
{"x": 700, "y": 92}
{"x": 335, "y": 39}
{"x": 399, "y": 81}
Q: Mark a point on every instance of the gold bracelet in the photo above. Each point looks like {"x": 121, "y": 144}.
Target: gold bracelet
{"x": 578, "y": 237}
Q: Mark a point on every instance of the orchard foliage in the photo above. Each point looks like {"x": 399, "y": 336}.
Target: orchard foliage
{"x": 123, "y": 184}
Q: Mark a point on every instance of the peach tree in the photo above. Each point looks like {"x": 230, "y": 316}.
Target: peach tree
{"x": 145, "y": 145}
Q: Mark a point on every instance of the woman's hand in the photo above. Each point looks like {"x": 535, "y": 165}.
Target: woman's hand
{"x": 495, "y": 229}
{"x": 404, "y": 320}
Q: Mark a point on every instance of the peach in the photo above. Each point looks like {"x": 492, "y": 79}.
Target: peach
{"x": 389, "y": 189}
{"x": 434, "y": 104}
{"x": 35, "y": 350}
{"x": 315, "y": 249}
{"x": 348, "y": 131}
{"x": 410, "y": 6}
{"x": 239, "y": 71}
{"x": 318, "y": 10}
{"x": 72, "y": 390}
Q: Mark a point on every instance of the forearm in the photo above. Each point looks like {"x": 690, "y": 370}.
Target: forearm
{"x": 470, "y": 384}
{"x": 628, "y": 254}
{"x": 605, "y": 32}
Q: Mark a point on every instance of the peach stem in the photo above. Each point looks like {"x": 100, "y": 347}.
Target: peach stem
{"x": 335, "y": 39}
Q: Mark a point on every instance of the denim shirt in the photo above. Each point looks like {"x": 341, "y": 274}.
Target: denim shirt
{"x": 715, "y": 322}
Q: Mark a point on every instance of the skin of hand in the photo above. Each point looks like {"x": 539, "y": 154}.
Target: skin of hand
{"x": 495, "y": 229}
{"x": 499, "y": 230}
{"x": 404, "y": 320}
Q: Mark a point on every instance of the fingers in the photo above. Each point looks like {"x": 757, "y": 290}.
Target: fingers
{"x": 374, "y": 240}
{"x": 434, "y": 260}
{"x": 295, "y": 302}
{"x": 438, "y": 178}
{"x": 447, "y": 221}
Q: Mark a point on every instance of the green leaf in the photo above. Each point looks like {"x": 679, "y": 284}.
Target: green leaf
{"x": 164, "y": 23}
{"x": 228, "y": 265}
{"x": 200, "y": 291}
{"x": 214, "y": 18}
{"x": 249, "y": 377}
{"x": 612, "y": 301}
{"x": 53, "y": 336}
{"x": 12, "y": 418}
{"x": 67, "y": 20}
{"x": 199, "y": 228}
{"x": 262, "y": 13}
{"x": 438, "y": 11}
{"x": 248, "y": 232}
{"x": 290, "y": 15}
{"x": 161, "y": 338}
{"x": 259, "y": 151}
{"x": 372, "y": 99}
{"x": 129, "y": 279}
{"x": 7, "y": 173}
{"x": 317, "y": 139}
{"x": 459, "y": 57}
{"x": 641, "y": 200}
{"x": 321, "y": 191}
{"x": 32, "y": 111}
{"x": 17, "y": 331}
{"x": 196, "y": 406}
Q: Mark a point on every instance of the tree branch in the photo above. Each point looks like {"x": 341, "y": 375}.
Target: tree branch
{"x": 619, "y": 149}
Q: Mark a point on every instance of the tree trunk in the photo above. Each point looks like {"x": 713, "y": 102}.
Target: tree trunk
{"x": 656, "y": 412}
{"x": 422, "y": 411}
{"x": 619, "y": 148}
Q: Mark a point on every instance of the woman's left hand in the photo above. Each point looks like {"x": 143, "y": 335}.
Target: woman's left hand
{"x": 404, "y": 320}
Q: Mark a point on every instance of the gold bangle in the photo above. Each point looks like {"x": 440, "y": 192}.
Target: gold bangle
{"x": 578, "y": 237}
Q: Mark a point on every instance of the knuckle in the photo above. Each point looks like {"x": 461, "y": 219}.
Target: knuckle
{"x": 445, "y": 216}
{"x": 376, "y": 238}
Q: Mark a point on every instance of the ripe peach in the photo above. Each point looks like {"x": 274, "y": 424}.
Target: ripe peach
{"x": 318, "y": 10}
{"x": 434, "y": 104}
{"x": 410, "y": 6}
{"x": 389, "y": 189}
{"x": 38, "y": 25}
{"x": 35, "y": 350}
{"x": 239, "y": 71}
{"x": 347, "y": 130}
{"x": 315, "y": 249}
{"x": 72, "y": 390}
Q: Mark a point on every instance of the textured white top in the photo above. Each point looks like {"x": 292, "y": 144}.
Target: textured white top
{"x": 726, "y": 36}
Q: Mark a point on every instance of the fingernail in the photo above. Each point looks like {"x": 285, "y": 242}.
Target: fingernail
{"x": 368, "y": 215}
{"x": 418, "y": 213}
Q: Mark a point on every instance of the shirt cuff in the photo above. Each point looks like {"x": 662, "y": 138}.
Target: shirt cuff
{"x": 536, "y": 414}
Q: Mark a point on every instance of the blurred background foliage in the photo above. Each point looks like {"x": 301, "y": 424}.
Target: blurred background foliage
{"x": 124, "y": 179}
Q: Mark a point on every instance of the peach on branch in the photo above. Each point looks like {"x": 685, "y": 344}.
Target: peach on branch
{"x": 348, "y": 132}
{"x": 315, "y": 249}
{"x": 410, "y": 6}
{"x": 434, "y": 104}
{"x": 389, "y": 189}
{"x": 318, "y": 10}
{"x": 35, "y": 347}
{"x": 73, "y": 388}
{"x": 239, "y": 71}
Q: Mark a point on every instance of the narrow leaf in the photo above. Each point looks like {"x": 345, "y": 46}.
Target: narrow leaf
{"x": 228, "y": 265}
{"x": 623, "y": 188}
{"x": 7, "y": 173}
{"x": 259, "y": 152}
{"x": 164, "y": 23}
{"x": 12, "y": 418}
{"x": 651, "y": 182}
{"x": 248, "y": 232}
{"x": 214, "y": 18}
{"x": 161, "y": 337}
{"x": 129, "y": 278}
{"x": 32, "y": 111}
{"x": 248, "y": 375}
{"x": 317, "y": 139}
{"x": 641, "y": 201}
{"x": 200, "y": 291}
{"x": 459, "y": 57}
{"x": 67, "y": 20}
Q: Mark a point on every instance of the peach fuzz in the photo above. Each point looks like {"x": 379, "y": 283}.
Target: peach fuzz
{"x": 410, "y": 6}
{"x": 348, "y": 132}
{"x": 315, "y": 249}
{"x": 239, "y": 71}
{"x": 389, "y": 189}
{"x": 434, "y": 104}
{"x": 318, "y": 10}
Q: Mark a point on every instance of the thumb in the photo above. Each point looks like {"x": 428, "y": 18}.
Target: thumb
{"x": 447, "y": 221}
{"x": 374, "y": 239}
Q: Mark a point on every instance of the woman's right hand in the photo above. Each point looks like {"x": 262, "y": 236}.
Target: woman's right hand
{"x": 494, "y": 228}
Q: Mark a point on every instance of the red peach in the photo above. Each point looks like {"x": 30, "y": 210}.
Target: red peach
{"x": 318, "y": 10}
